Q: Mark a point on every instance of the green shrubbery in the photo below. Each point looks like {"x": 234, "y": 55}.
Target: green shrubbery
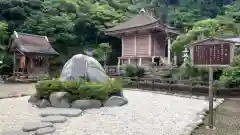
{"x": 79, "y": 89}
{"x": 231, "y": 77}
{"x": 133, "y": 71}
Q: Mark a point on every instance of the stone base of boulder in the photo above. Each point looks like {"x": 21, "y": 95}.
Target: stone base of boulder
{"x": 115, "y": 101}
{"x": 86, "y": 104}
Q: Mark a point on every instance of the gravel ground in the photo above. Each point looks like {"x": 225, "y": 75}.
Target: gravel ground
{"x": 7, "y": 90}
{"x": 146, "y": 114}
{"x": 14, "y": 112}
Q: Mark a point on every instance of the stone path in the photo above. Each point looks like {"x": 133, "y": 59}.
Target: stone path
{"x": 50, "y": 117}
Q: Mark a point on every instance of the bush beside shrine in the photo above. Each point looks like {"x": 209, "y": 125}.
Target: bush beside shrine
{"x": 79, "y": 89}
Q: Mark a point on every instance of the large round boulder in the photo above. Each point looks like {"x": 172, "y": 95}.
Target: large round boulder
{"x": 80, "y": 66}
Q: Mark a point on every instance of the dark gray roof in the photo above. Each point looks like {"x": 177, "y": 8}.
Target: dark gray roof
{"x": 28, "y": 43}
{"x": 141, "y": 19}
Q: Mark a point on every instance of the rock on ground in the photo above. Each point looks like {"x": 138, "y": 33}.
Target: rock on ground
{"x": 14, "y": 133}
{"x": 33, "y": 126}
{"x": 115, "y": 101}
{"x": 83, "y": 66}
{"x": 86, "y": 104}
{"x": 57, "y": 100}
{"x": 54, "y": 119}
{"x": 43, "y": 103}
{"x": 69, "y": 112}
{"x": 46, "y": 130}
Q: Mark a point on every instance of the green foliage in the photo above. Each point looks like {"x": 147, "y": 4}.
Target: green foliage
{"x": 101, "y": 53}
{"x": 236, "y": 61}
{"x": 79, "y": 24}
{"x": 166, "y": 74}
{"x": 45, "y": 88}
{"x": 140, "y": 71}
{"x": 201, "y": 29}
{"x": 72, "y": 86}
{"x": 5, "y": 57}
{"x": 133, "y": 71}
{"x": 129, "y": 71}
{"x": 113, "y": 86}
{"x": 231, "y": 77}
{"x": 80, "y": 89}
{"x": 92, "y": 90}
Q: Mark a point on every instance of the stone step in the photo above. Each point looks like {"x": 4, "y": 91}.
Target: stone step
{"x": 68, "y": 112}
{"x": 54, "y": 119}
{"x": 33, "y": 126}
{"x": 14, "y": 133}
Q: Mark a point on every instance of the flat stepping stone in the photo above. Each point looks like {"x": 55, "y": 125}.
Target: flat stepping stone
{"x": 14, "y": 133}
{"x": 54, "y": 119}
{"x": 46, "y": 130}
{"x": 33, "y": 126}
{"x": 69, "y": 112}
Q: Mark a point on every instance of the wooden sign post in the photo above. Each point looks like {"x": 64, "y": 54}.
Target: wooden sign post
{"x": 212, "y": 53}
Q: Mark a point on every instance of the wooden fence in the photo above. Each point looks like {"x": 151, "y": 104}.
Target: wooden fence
{"x": 179, "y": 86}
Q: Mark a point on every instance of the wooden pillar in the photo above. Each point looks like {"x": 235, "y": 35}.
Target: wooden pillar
{"x": 150, "y": 45}
{"x": 31, "y": 64}
{"x": 118, "y": 65}
{"x": 135, "y": 45}
{"x": 153, "y": 59}
{"x": 175, "y": 59}
{"x": 169, "y": 49}
{"x": 140, "y": 61}
{"x": 122, "y": 45}
{"x": 14, "y": 63}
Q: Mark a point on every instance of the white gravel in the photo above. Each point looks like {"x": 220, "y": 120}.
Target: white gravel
{"x": 14, "y": 112}
{"x": 146, "y": 114}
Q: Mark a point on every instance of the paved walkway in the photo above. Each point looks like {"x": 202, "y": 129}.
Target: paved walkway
{"x": 227, "y": 120}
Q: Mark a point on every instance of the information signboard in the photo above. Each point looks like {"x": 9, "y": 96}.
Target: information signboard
{"x": 212, "y": 53}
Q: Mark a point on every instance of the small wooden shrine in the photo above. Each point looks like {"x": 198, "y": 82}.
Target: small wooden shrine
{"x": 145, "y": 40}
{"x": 30, "y": 54}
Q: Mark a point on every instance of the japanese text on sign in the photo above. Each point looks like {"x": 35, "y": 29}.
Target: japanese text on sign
{"x": 212, "y": 54}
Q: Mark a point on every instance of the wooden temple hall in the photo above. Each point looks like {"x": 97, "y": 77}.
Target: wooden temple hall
{"x": 145, "y": 40}
{"x": 30, "y": 54}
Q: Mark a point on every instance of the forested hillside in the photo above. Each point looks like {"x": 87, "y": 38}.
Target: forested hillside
{"x": 78, "y": 23}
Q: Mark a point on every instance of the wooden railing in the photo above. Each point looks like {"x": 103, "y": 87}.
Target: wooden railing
{"x": 179, "y": 86}
{"x": 113, "y": 69}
